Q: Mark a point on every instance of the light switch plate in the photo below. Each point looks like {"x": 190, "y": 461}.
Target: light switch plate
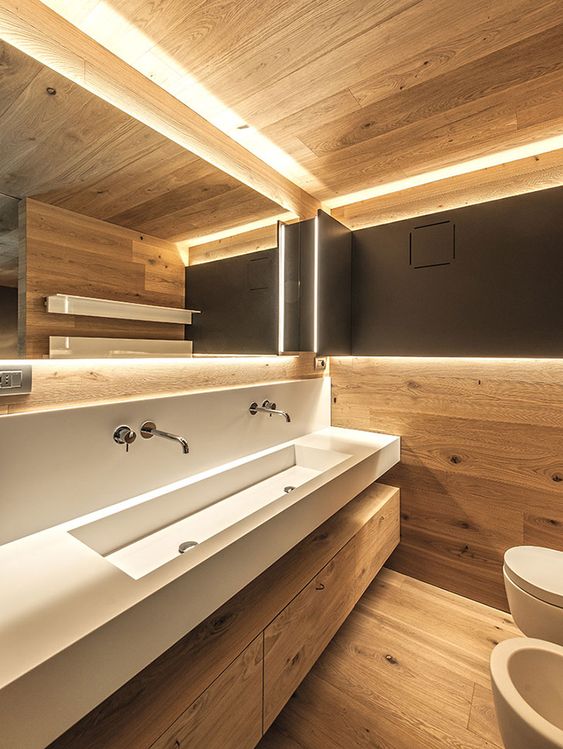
{"x": 15, "y": 380}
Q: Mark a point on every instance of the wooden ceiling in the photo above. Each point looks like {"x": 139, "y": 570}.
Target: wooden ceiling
{"x": 357, "y": 92}
{"x": 64, "y": 146}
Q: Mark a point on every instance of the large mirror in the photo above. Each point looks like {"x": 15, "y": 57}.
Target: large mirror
{"x": 107, "y": 210}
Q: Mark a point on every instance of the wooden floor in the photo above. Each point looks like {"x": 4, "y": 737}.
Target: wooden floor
{"x": 407, "y": 670}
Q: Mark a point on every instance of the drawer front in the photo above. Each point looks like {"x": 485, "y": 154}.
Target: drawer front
{"x": 228, "y": 715}
{"x": 297, "y": 637}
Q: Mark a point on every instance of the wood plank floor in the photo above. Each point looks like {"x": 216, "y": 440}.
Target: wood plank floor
{"x": 407, "y": 670}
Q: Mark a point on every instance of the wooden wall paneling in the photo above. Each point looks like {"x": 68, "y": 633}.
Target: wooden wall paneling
{"x": 71, "y": 254}
{"x": 228, "y": 715}
{"x": 59, "y": 384}
{"x": 300, "y": 633}
{"x": 513, "y": 178}
{"x": 264, "y": 238}
{"x": 144, "y": 708}
{"x": 481, "y": 461}
{"x": 36, "y": 29}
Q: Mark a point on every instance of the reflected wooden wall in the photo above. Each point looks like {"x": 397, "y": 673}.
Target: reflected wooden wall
{"x": 66, "y": 253}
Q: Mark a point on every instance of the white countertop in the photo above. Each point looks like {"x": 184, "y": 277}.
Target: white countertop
{"x": 55, "y": 590}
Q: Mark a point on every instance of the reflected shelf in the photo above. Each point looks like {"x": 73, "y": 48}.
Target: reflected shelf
{"x": 66, "y": 304}
{"x": 77, "y": 347}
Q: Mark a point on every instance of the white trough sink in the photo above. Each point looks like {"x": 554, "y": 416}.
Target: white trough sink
{"x": 142, "y": 538}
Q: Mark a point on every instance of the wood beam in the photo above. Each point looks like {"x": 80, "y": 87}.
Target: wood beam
{"x": 35, "y": 29}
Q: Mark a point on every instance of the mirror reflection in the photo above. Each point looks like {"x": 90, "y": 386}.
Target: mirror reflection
{"x": 109, "y": 209}
{"x": 9, "y": 251}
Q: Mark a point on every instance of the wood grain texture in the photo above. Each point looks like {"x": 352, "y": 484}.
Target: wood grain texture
{"x": 296, "y": 638}
{"x": 241, "y": 244}
{"x": 514, "y": 178}
{"x": 67, "y": 147}
{"x": 66, "y": 253}
{"x": 357, "y": 93}
{"x": 481, "y": 459}
{"x": 144, "y": 708}
{"x": 228, "y": 715}
{"x": 408, "y": 668}
{"x": 35, "y": 29}
{"x": 62, "y": 384}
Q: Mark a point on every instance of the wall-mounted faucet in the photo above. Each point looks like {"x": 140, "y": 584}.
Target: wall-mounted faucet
{"x": 148, "y": 430}
{"x": 124, "y": 435}
{"x": 268, "y": 408}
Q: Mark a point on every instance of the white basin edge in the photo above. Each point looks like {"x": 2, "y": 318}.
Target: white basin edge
{"x": 66, "y": 609}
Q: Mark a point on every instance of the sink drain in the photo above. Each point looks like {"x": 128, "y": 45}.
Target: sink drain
{"x": 288, "y": 489}
{"x": 186, "y": 546}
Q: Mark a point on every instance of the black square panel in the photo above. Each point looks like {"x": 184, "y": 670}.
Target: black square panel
{"x": 259, "y": 273}
{"x": 432, "y": 244}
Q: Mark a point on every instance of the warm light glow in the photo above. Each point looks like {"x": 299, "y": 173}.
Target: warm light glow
{"x": 316, "y": 287}
{"x": 109, "y": 27}
{"x": 196, "y": 360}
{"x": 465, "y": 167}
{"x": 281, "y": 292}
{"x": 456, "y": 359}
{"x": 236, "y": 230}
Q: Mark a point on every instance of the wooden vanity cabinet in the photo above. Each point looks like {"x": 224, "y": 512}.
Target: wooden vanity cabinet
{"x": 228, "y": 714}
{"x": 300, "y": 633}
{"x": 222, "y": 685}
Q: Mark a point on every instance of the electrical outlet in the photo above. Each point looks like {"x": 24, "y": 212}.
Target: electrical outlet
{"x": 15, "y": 380}
{"x": 320, "y": 362}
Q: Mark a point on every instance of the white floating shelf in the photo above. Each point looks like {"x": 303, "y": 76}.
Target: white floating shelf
{"x": 65, "y": 304}
{"x": 77, "y": 347}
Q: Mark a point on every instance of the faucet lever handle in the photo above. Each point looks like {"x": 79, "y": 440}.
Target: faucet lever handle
{"x": 124, "y": 435}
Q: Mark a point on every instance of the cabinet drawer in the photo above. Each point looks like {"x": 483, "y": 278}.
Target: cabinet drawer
{"x": 228, "y": 715}
{"x": 299, "y": 634}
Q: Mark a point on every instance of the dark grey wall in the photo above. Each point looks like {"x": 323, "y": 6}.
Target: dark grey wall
{"x": 8, "y": 323}
{"x": 238, "y": 298}
{"x": 486, "y": 280}
{"x": 334, "y": 310}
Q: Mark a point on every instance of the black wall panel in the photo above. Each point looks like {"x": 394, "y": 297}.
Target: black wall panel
{"x": 486, "y": 280}
{"x": 334, "y": 310}
{"x": 238, "y": 298}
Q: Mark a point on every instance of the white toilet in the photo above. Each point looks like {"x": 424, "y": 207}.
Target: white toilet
{"x": 527, "y": 673}
{"x": 533, "y": 578}
{"x": 527, "y": 680}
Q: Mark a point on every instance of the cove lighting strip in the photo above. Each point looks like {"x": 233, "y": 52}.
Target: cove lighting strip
{"x": 455, "y": 170}
{"x": 281, "y": 291}
{"x": 316, "y": 287}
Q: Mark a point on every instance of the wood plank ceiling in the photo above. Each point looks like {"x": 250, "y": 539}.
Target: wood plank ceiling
{"x": 64, "y": 146}
{"x": 356, "y": 92}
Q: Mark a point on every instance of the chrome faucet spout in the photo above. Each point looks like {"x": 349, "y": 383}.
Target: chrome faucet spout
{"x": 148, "y": 430}
{"x": 268, "y": 407}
